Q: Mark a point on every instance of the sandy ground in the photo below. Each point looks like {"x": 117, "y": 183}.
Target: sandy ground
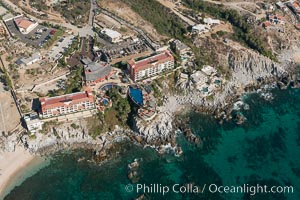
{"x": 9, "y": 116}
{"x": 297, "y": 57}
{"x": 11, "y": 166}
{"x": 122, "y": 10}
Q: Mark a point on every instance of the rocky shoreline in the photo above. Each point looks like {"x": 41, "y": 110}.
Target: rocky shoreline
{"x": 160, "y": 133}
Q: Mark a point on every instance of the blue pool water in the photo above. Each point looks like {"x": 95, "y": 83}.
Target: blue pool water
{"x": 108, "y": 86}
{"x": 136, "y": 95}
{"x": 105, "y": 101}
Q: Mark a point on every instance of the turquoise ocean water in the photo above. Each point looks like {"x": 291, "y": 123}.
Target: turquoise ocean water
{"x": 265, "y": 150}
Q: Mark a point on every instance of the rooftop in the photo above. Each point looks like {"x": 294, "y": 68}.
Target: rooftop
{"x": 211, "y": 21}
{"x": 180, "y": 45}
{"x": 23, "y": 22}
{"x": 200, "y": 27}
{"x": 66, "y": 100}
{"x": 111, "y": 33}
{"x": 199, "y": 77}
{"x": 34, "y": 57}
{"x": 208, "y": 70}
{"x": 145, "y": 63}
{"x": 95, "y": 70}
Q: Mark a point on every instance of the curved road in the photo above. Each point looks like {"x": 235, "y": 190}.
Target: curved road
{"x": 87, "y": 30}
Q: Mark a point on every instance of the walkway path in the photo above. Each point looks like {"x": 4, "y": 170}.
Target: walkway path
{"x": 2, "y": 117}
{"x": 236, "y": 5}
{"x": 172, "y": 6}
{"x": 87, "y": 30}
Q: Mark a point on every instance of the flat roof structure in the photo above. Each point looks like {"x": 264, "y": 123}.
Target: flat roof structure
{"x": 180, "y": 45}
{"x": 32, "y": 59}
{"x": 95, "y": 71}
{"x": 111, "y": 33}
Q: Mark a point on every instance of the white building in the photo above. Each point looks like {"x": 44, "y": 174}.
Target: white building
{"x": 30, "y": 60}
{"x": 150, "y": 66}
{"x": 210, "y": 21}
{"x": 25, "y": 25}
{"x": 209, "y": 70}
{"x": 200, "y": 28}
{"x": 111, "y": 35}
{"x": 181, "y": 49}
{"x": 33, "y": 123}
{"x": 66, "y": 104}
{"x": 199, "y": 78}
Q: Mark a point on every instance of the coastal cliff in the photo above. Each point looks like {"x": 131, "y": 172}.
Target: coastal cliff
{"x": 248, "y": 72}
{"x": 247, "y": 67}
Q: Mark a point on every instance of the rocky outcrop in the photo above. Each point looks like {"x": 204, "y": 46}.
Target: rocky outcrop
{"x": 156, "y": 132}
{"x": 247, "y": 67}
{"x": 8, "y": 143}
{"x": 64, "y": 137}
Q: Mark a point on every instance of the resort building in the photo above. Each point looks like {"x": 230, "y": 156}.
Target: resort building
{"x": 152, "y": 65}
{"x": 66, "y": 104}
{"x": 33, "y": 123}
{"x": 95, "y": 72}
{"x": 111, "y": 35}
{"x": 199, "y": 78}
{"x": 181, "y": 49}
{"x": 209, "y": 70}
{"x": 25, "y": 25}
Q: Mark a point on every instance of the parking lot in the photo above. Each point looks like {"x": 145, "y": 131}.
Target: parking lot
{"x": 57, "y": 51}
{"x": 38, "y": 37}
{"x": 126, "y": 49}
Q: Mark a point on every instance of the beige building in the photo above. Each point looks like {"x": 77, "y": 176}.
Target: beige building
{"x": 151, "y": 66}
{"x": 66, "y": 104}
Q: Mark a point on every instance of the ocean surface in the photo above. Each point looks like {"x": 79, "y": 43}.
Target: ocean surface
{"x": 264, "y": 151}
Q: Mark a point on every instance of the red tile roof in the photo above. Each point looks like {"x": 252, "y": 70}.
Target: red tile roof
{"x": 148, "y": 62}
{"x": 23, "y": 23}
{"x": 266, "y": 24}
{"x": 66, "y": 100}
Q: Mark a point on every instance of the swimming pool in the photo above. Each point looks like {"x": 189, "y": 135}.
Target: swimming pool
{"x": 109, "y": 86}
{"x": 136, "y": 95}
{"x": 105, "y": 102}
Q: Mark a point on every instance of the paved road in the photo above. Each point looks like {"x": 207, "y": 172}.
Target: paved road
{"x": 172, "y": 6}
{"x": 87, "y": 30}
{"x": 147, "y": 39}
{"x": 27, "y": 38}
{"x": 236, "y": 5}
{"x": 92, "y": 14}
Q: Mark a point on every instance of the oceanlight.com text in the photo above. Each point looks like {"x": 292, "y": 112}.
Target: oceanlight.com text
{"x": 211, "y": 188}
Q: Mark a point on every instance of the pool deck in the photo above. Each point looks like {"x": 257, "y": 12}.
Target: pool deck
{"x": 136, "y": 96}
